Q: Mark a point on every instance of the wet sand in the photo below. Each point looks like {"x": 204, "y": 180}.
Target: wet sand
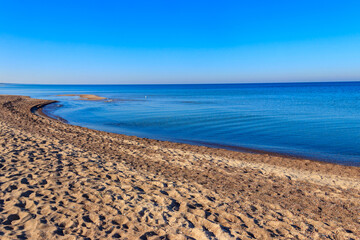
{"x": 60, "y": 181}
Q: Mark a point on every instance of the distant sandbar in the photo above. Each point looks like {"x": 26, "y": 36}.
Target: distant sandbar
{"x": 90, "y": 97}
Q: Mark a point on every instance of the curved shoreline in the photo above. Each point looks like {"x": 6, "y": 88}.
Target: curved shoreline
{"x": 61, "y": 180}
{"x": 220, "y": 149}
{"x": 38, "y": 110}
{"x": 215, "y": 145}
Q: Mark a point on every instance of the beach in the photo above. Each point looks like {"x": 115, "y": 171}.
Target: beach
{"x": 60, "y": 181}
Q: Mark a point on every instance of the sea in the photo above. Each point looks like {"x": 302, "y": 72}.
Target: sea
{"x": 319, "y": 121}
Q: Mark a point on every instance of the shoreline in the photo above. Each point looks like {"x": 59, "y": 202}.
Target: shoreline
{"x": 261, "y": 153}
{"x": 66, "y": 181}
{"x": 214, "y": 145}
{"x": 38, "y": 110}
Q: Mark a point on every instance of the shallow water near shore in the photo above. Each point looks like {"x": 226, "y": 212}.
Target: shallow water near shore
{"x": 312, "y": 120}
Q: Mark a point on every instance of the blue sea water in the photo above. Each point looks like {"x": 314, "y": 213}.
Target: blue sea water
{"x": 313, "y": 120}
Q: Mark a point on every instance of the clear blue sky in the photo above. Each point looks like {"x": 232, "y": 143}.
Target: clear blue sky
{"x": 178, "y": 41}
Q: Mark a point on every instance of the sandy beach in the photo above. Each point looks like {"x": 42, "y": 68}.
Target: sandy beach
{"x": 60, "y": 181}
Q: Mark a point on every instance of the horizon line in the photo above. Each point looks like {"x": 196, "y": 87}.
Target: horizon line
{"x": 226, "y": 83}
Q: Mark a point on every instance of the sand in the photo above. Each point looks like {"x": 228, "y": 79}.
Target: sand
{"x": 89, "y": 97}
{"x": 66, "y": 182}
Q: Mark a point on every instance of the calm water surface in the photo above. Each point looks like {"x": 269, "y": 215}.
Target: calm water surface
{"x": 314, "y": 120}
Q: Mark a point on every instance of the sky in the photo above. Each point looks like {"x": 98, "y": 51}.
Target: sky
{"x": 151, "y": 42}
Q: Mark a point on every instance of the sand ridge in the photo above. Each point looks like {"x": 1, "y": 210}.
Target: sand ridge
{"x": 66, "y": 182}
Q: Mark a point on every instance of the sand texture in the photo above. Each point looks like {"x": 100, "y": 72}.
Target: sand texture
{"x": 66, "y": 182}
{"x": 90, "y": 97}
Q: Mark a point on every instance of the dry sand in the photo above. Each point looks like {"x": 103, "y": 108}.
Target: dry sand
{"x": 66, "y": 182}
{"x": 90, "y": 97}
